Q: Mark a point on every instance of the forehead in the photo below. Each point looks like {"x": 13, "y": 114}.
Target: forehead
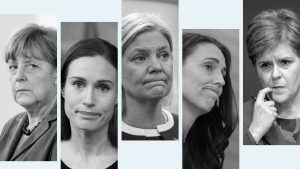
{"x": 92, "y": 67}
{"x": 205, "y": 52}
{"x": 25, "y": 58}
{"x": 149, "y": 40}
{"x": 282, "y": 50}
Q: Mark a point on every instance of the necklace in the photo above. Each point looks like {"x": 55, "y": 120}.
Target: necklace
{"x": 26, "y": 131}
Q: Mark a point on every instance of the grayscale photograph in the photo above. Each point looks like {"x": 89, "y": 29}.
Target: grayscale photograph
{"x": 28, "y": 89}
{"x": 271, "y": 73}
{"x": 149, "y": 70}
{"x": 210, "y": 90}
{"x": 89, "y": 89}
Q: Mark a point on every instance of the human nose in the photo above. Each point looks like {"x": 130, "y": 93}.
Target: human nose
{"x": 276, "y": 72}
{"x": 20, "y": 75}
{"x": 220, "y": 79}
{"x": 89, "y": 99}
{"x": 155, "y": 65}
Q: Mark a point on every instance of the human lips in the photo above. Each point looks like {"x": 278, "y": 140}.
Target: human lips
{"x": 214, "y": 89}
{"x": 87, "y": 114}
{"x": 22, "y": 90}
{"x": 277, "y": 89}
{"x": 155, "y": 80}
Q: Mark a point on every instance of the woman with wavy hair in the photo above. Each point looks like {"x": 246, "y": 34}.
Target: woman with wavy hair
{"x": 208, "y": 100}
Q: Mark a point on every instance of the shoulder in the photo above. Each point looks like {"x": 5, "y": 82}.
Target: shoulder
{"x": 248, "y": 111}
{"x": 11, "y": 123}
{"x": 247, "y": 119}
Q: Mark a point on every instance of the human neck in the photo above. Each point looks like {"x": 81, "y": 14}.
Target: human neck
{"x": 90, "y": 143}
{"x": 289, "y": 110}
{"x": 145, "y": 115}
{"x": 189, "y": 113}
{"x": 37, "y": 112}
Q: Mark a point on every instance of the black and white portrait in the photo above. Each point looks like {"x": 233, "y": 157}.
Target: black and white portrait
{"x": 149, "y": 70}
{"x": 89, "y": 89}
{"x": 28, "y": 95}
{"x": 210, "y": 83}
{"x": 272, "y": 63}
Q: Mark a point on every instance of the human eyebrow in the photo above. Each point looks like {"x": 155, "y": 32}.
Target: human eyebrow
{"x": 104, "y": 81}
{"x": 164, "y": 48}
{"x": 212, "y": 59}
{"x": 78, "y": 78}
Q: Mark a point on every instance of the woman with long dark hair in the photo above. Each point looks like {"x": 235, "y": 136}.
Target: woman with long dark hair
{"x": 89, "y": 105}
{"x": 208, "y": 115}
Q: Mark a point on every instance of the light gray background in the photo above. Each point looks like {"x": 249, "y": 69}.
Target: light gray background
{"x": 11, "y": 24}
{"x": 230, "y": 38}
{"x": 209, "y": 14}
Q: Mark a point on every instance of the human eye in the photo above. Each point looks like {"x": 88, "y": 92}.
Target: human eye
{"x": 103, "y": 88}
{"x": 31, "y": 67}
{"x": 164, "y": 55}
{"x": 265, "y": 66}
{"x": 208, "y": 67}
{"x": 13, "y": 68}
{"x": 139, "y": 58}
{"x": 285, "y": 62}
{"x": 78, "y": 84}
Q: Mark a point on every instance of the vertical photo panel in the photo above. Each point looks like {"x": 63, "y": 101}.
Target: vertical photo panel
{"x": 271, "y": 73}
{"x": 210, "y": 94}
{"x": 89, "y": 92}
{"x": 150, "y": 70}
{"x": 28, "y": 123}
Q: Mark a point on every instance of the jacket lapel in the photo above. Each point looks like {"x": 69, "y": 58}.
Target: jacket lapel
{"x": 37, "y": 133}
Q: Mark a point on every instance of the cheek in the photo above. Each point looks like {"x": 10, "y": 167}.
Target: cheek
{"x": 108, "y": 104}
{"x": 168, "y": 67}
{"x": 71, "y": 99}
{"x": 264, "y": 77}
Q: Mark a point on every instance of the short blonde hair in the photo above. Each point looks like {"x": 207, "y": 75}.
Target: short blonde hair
{"x": 33, "y": 41}
{"x": 137, "y": 23}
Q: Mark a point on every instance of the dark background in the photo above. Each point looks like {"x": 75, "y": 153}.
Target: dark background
{"x": 72, "y": 32}
{"x": 252, "y": 8}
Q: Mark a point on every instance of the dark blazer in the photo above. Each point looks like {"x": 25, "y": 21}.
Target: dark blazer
{"x": 272, "y": 137}
{"x": 39, "y": 146}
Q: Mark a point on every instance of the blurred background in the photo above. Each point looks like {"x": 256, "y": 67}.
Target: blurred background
{"x": 168, "y": 11}
{"x": 9, "y": 25}
{"x": 72, "y": 32}
{"x": 251, "y": 9}
{"x": 230, "y": 38}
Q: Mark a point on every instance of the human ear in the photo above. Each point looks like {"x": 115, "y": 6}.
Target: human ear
{"x": 63, "y": 92}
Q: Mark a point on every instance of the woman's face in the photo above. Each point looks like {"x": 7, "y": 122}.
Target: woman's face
{"x": 90, "y": 93}
{"x": 33, "y": 81}
{"x": 203, "y": 77}
{"x": 147, "y": 67}
{"x": 279, "y": 69}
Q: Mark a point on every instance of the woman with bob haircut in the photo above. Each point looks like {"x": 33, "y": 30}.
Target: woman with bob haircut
{"x": 89, "y": 105}
{"x": 31, "y": 60}
{"x": 147, "y": 64}
{"x": 208, "y": 100}
{"x": 273, "y": 42}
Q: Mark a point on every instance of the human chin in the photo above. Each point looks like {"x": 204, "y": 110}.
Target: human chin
{"x": 25, "y": 99}
{"x": 280, "y": 98}
{"x": 158, "y": 91}
{"x": 85, "y": 124}
{"x": 205, "y": 104}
